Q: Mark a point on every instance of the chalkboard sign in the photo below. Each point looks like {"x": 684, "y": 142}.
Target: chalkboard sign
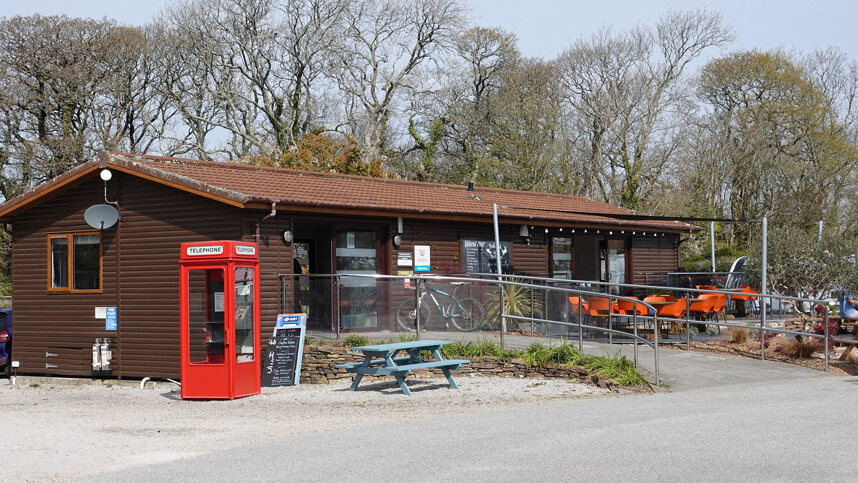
{"x": 282, "y": 364}
{"x": 480, "y": 256}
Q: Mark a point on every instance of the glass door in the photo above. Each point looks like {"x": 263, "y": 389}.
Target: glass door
{"x": 357, "y": 253}
{"x": 616, "y": 263}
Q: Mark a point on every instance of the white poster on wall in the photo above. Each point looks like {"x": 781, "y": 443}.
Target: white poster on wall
{"x": 421, "y": 258}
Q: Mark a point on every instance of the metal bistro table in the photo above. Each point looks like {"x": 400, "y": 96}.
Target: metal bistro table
{"x": 382, "y": 360}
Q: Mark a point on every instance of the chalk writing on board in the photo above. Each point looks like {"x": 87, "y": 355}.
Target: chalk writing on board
{"x": 281, "y": 358}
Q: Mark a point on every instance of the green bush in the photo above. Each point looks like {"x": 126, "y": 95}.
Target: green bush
{"x": 355, "y": 340}
{"x": 617, "y": 368}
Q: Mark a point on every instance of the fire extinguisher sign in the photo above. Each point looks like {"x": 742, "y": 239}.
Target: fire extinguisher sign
{"x": 110, "y": 319}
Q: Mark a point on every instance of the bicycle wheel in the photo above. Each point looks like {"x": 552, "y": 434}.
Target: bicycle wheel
{"x": 406, "y": 315}
{"x": 467, "y": 314}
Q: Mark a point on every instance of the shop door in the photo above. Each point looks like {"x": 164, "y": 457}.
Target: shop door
{"x": 208, "y": 345}
{"x": 616, "y": 263}
{"x": 356, "y": 252}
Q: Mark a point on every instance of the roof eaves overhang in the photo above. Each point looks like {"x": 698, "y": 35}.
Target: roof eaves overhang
{"x": 46, "y": 190}
{"x": 127, "y": 164}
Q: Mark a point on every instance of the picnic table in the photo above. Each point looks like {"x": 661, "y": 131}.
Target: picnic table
{"x": 382, "y": 360}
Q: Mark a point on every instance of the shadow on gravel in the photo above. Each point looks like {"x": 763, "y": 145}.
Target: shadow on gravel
{"x": 391, "y": 388}
{"x": 172, "y": 395}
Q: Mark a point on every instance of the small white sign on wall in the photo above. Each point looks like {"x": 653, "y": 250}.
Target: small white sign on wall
{"x": 422, "y": 259}
{"x": 101, "y": 313}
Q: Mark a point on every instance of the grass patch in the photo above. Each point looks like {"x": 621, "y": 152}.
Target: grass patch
{"x": 617, "y": 368}
{"x": 738, "y": 335}
{"x": 355, "y": 340}
{"x": 799, "y": 349}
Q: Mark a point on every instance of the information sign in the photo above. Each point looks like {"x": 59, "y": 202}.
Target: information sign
{"x": 282, "y": 363}
{"x": 110, "y": 319}
{"x": 481, "y": 257}
{"x": 422, "y": 259}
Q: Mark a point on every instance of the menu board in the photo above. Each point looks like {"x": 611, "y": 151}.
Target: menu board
{"x": 480, "y": 256}
{"x": 282, "y": 366}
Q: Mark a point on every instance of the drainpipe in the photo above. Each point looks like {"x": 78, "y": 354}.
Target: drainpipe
{"x": 265, "y": 218}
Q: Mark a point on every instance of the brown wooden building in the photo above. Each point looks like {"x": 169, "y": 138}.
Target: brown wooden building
{"x": 63, "y": 269}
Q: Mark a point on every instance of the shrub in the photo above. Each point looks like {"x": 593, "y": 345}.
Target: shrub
{"x": 617, "y": 368}
{"x": 799, "y": 348}
{"x": 768, "y": 337}
{"x": 355, "y": 340}
{"x": 738, "y": 335}
{"x": 819, "y": 329}
{"x": 713, "y": 330}
{"x": 692, "y": 332}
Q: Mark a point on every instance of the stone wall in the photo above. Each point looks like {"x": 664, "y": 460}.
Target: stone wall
{"x": 318, "y": 366}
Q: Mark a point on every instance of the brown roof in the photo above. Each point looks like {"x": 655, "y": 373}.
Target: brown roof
{"x": 250, "y": 186}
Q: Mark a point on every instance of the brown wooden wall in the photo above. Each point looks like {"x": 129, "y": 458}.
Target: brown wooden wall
{"x": 155, "y": 221}
{"x": 651, "y": 256}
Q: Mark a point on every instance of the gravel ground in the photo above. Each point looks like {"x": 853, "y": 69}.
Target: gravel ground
{"x": 55, "y": 431}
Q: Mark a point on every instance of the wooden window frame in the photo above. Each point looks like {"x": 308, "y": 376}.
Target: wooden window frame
{"x": 70, "y": 263}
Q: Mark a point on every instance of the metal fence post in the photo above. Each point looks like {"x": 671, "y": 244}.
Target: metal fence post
{"x": 336, "y": 280}
{"x": 417, "y": 308}
{"x": 825, "y": 321}
{"x": 635, "y": 328}
{"x": 687, "y": 322}
{"x": 655, "y": 345}
{"x": 580, "y": 327}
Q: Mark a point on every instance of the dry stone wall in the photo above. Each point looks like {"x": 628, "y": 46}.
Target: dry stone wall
{"x": 319, "y": 366}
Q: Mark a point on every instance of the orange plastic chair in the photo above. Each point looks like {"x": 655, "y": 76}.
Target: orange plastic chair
{"x": 629, "y": 308}
{"x": 703, "y": 308}
{"x": 574, "y": 302}
{"x": 720, "y": 304}
{"x": 706, "y": 287}
{"x": 599, "y": 307}
{"x": 675, "y": 310}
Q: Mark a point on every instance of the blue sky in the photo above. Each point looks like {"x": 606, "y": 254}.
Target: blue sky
{"x": 546, "y": 27}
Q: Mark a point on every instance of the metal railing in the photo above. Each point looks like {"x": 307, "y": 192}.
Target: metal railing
{"x": 487, "y": 290}
{"x": 763, "y": 328}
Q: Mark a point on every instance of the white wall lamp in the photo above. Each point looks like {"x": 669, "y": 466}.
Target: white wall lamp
{"x": 287, "y": 237}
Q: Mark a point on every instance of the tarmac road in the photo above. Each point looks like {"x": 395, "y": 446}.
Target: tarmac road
{"x": 771, "y": 429}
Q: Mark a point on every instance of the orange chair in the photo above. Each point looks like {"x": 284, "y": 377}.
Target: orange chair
{"x": 669, "y": 298}
{"x": 720, "y": 304}
{"x": 574, "y": 302}
{"x": 627, "y": 307}
{"x": 675, "y": 310}
{"x": 706, "y": 287}
{"x": 704, "y": 308}
{"x": 599, "y": 307}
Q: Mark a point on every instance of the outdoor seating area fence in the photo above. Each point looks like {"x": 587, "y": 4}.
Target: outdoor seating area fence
{"x": 536, "y": 306}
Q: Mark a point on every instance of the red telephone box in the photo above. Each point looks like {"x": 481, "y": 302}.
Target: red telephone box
{"x": 219, "y": 303}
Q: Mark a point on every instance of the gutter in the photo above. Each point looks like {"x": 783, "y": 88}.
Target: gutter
{"x": 258, "y": 234}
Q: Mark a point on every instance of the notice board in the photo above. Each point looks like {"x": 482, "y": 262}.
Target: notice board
{"x": 281, "y": 366}
{"x": 282, "y": 363}
{"x": 481, "y": 257}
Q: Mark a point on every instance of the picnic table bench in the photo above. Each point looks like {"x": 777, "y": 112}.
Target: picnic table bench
{"x": 382, "y": 360}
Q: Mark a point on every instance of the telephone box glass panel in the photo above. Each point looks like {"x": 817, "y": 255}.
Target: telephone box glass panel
{"x": 244, "y": 314}
{"x": 205, "y": 316}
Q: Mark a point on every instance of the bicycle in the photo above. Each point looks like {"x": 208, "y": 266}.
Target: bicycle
{"x": 466, "y": 314}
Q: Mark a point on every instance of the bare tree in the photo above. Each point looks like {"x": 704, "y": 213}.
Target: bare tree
{"x": 58, "y": 73}
{"x": 384, "y": 41}
{"x": 246, "y": 68}
{"x": 625, "y": 90}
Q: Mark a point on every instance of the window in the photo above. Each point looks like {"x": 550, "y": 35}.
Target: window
{"x": 74, "y": 262}
{"x": 563, "y": 249}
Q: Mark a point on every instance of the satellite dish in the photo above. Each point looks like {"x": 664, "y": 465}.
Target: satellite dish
{"x": 101, "y": 216}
